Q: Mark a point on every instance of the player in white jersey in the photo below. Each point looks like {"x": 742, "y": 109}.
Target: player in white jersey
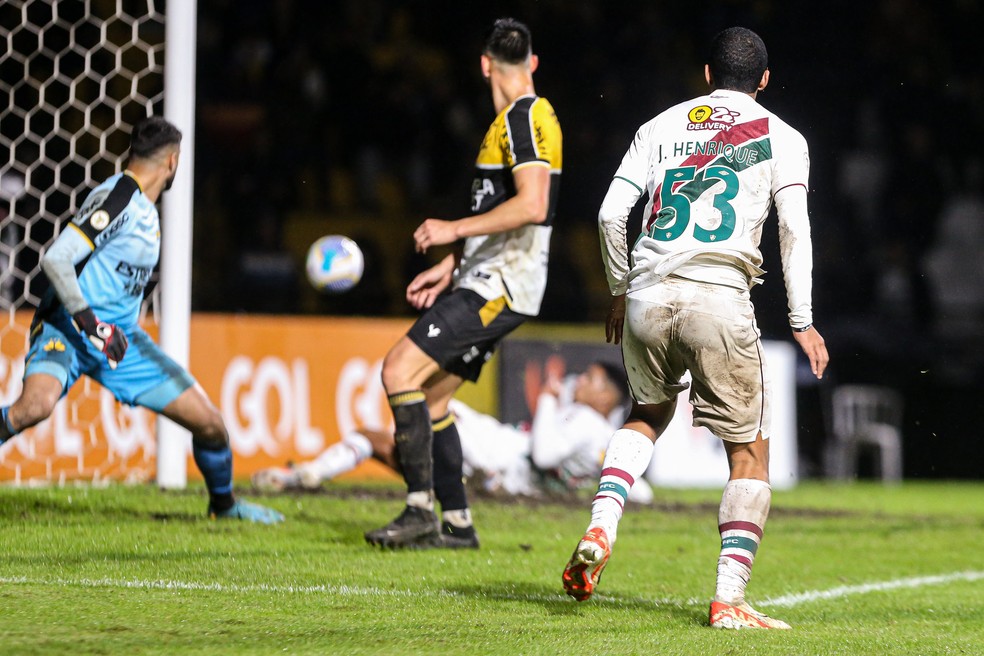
{"x": 88, "y": 322}
{"x": 496, "y": 278}
{"x": 561, "y": 450}
{"x": 712, "y": 167}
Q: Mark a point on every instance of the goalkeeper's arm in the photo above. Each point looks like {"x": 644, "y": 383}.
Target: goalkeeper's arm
{"x": 58, "y": 263}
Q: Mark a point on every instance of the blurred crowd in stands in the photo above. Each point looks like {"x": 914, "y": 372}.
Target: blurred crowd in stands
{"x": 364, "y": 116}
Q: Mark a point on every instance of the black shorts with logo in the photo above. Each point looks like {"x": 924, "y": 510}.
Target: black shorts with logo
{"x": 461, "y": 330}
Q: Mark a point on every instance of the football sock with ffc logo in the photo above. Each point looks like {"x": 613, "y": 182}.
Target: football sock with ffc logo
{"x": 414, "y": 444}
{"x": 741, "y": 518}
{"x": 626, "y": 459}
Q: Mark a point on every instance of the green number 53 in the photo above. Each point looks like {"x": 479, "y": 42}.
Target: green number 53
{"x": 674, "y": 214}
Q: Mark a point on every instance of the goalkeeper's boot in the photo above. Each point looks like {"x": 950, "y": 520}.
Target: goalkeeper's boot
{"x": 415, "y": 528}
{"x": 741, "y": 616}
{"x": 248, "y": 511}
{"x": 587, "y": 563}
{"x": 276, "y": 479}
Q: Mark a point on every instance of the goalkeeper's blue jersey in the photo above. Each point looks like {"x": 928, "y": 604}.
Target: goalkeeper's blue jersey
{"x": 123, "y": 228}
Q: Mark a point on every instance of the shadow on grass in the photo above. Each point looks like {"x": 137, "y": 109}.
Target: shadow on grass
{"x": 154, "y": 505}
{"x": 37, "y": 509}
{"x": 34, "y": 504}
{"x": 555, "y": 601}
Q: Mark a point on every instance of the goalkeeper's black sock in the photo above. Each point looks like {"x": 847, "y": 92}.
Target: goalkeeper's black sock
{"x": 413, "y": 446}
{"x": 449, "y": 488}
{"x": 215, "y": 464}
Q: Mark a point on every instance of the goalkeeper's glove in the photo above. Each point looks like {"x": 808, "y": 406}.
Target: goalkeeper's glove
{"x": 106, "y": 337}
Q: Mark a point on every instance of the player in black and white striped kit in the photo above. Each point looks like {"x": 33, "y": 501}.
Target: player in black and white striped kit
{"x": 497, "y": 279}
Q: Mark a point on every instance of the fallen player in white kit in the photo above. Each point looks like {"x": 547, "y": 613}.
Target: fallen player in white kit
{"x": 562, "y": 449}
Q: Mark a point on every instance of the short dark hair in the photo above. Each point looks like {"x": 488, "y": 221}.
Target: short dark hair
{"x": 509, "y": 41}
{"x": 616, "y": 376}
{"x": 150, "y": 135}
{"x": 738, "y": 59}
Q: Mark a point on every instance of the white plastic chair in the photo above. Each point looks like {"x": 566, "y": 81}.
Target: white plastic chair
{"x": 866, "y": 416}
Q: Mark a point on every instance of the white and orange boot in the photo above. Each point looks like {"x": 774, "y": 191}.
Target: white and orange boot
{"x": 741, "y": 616}
{"x": 584, "y": 569}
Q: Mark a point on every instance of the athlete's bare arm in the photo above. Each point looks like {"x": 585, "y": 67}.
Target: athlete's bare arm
{"x": 424, "y": 289}
{"x": 529, "y": 205}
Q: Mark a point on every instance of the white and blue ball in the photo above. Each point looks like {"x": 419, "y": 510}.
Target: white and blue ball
{"x": 334, "y": 264}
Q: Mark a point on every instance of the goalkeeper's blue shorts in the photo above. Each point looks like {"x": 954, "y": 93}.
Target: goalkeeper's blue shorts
{"x": 145, "y": 376}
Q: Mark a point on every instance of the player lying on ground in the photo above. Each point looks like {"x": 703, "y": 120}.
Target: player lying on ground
{"x": 560, "y": 450}
{"x": 712, "y": 166}
{"x": 87, "y": 323}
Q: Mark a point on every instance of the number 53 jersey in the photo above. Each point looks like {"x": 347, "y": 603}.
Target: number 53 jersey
{"x": 711, "y": 167}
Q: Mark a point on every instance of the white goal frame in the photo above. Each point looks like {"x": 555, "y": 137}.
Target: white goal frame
{"x": 181, "y": 22}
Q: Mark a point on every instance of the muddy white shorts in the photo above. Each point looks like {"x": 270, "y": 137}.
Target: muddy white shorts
{"x": 678, "y": 325}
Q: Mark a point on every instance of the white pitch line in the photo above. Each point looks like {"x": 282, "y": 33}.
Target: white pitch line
{"x": 786, "y": 601}
{"x": 864, "y": 588}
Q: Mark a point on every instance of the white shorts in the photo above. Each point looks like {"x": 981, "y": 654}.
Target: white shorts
{"x": 679, "y": 325}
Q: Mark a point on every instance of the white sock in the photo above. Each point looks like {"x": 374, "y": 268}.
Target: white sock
{"x": 458, "y": 518}
{"x": 422, "y": 499}
{"x": 339, "y": 457}
{"x": 626, "y": 459}
{"x": 741, "y": 519}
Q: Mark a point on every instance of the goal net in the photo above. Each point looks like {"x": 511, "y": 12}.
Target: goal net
{"x": 75, "y": 77}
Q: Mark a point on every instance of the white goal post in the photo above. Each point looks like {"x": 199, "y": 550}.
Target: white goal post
{"x": 178, "y": 206}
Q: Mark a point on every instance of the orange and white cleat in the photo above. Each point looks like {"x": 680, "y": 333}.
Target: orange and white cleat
{"x": 589, "y": 559}
{"x": 741, "y": 616}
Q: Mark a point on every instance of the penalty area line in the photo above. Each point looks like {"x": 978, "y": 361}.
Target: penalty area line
{"x": 798, "y": 598}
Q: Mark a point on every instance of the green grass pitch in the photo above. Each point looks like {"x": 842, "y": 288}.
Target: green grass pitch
{"x": 856, "y": 569}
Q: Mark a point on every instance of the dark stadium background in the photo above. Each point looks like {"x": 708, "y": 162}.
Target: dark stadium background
{"x": 364, "y": 116}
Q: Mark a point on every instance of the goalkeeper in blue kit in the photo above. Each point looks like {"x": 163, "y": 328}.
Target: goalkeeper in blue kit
{"x": 87, "y": 323}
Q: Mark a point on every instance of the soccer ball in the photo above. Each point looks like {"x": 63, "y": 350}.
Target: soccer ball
{"x": 334, "y": 264}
